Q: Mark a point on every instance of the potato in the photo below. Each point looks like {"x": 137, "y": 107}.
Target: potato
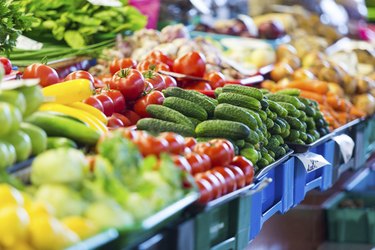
{"x": 302, "y": 74}
{"x": 280, "y": 71}
{"x": 365, "y": 102}
{"x": 336, "y": 89}
{"x": 285, "y": 50}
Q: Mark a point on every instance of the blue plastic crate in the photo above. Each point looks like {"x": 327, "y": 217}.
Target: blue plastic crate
{"x": 363, "y": 182}
{"x": 277, "y": 197}
{"x": 320, "y": 178}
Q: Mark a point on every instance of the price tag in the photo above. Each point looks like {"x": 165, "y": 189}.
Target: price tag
{"x": 110, "y": 3}
{"x": 312, "y": 161}
{"x": 346, "y": 145}
{"x": 26, "y": 43}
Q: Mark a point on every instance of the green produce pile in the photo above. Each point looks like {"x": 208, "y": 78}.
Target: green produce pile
{"x": 258, "y": 123}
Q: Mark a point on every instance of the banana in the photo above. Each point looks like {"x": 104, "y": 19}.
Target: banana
{"x": 90, "y": 109}
{"x": 68, "y": 92}
{"x": 87, "y": 118}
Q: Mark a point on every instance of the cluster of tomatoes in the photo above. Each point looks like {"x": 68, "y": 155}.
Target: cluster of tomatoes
{"x": 216, "y": 169}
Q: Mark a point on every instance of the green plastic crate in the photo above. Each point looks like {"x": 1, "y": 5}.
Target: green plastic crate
{"x": 351, "y": 225}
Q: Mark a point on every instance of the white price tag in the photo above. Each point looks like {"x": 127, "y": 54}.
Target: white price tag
{"x": 346, "y": 145}
{"x": 26, "y": 43}
{"x": 312, "y": 161}
{"x": 111, "y": 3}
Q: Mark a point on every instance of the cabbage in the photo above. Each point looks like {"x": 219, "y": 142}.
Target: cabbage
{"x": 63, "y": 165}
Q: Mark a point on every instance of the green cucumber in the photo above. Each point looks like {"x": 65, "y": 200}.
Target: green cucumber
{"x": 292, "y": 111}
{"x": 291, "y": 91}
{"x": 294, "y": 135}
{"x": 227, "y": 129}
{"x": 186, "y": 107}
{"x": 244, "y": 90}
{"x": 158, "y": 126}
{"x": 278, "y": 109}
{"x": 239, "y": 100}
{"x": 253, "y": 137}
{"x": 167, "y": 114}
{"x": 269, "y": 123}
{"x": 288, "y": 99}
{"x": 229, "y": 112}
{"x": 294, "y": 122}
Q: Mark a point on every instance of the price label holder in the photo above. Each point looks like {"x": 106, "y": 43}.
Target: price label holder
{"x": 346, "y": 145}
{"x": 110, "y": 3}
{"x": 312, "y": 161}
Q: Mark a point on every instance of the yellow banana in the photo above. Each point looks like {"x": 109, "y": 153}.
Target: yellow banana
{"x": 90, "y": 109}
{"x": 69, "y": 91}
{"x": 87, "y": 118}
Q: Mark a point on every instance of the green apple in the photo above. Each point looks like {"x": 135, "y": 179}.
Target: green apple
{"x": 6, "y": 118}
{"x": 38, "y": 137}
{"x": 16, "y": 118}
{"x": 21, "y": 142}
{"x": 7, "y": 154}
{"x": 15, "y": 98}
{"x": 34, "y": 98}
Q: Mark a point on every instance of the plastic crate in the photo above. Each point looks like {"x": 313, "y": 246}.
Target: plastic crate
{"x": 320, "y": 178}
{"x": 363, "y": 181}
{"x": 277, "y": 197}
{"x": 351, "y": 225}
{"x": 365, "y": 138}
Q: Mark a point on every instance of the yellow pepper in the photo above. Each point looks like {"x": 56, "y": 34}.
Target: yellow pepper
{"x": 90, "y": 109}
{"x": 68, "y": 92}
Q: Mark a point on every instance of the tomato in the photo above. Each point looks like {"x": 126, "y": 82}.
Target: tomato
{"x": 114, "y": 122}
{"x": 93, "y": 101}
{"x": 119, "y": 104}
{"x": 122, "y": 63}
{"x": 132, "y": 116}
{"x": 169, "y": 81}
{"x": 205, "y": 190}
{"x": 196, "y": 163}
{"x": 151, "y": 145}
{"x": 240, "y": 176}
{"x": 106, "y": 101}
{"x": 155, "y": 79}
{"x": 129, "y": 82}
{"x": 220, "y": 177}
{"x": 246, "y": 166}
{"x": 153, "y": 65}
{"x": 148, "y": 87}
{"x": 106, "y": 78}
{"x": 181, "y": 162}
{"x": 214, "y": 181}
{"x": 46, "y": 74}
{"x": 190, "y": 142}
{"x": 6, "y": 64}
{"x": 206, "y": 162}
{"x": 192, "y": 63}
{"x": 176, "y": 142}
{"x": 130, "y": 134}
{"x": 230, "y": 177}
{"x": 98, "y": 83}
{"x": 220, "y": 151}
{"x": 198, "y": 86}
{"x": 161, "y": 57}
{"x": 216, "y": 79}
{"x": 187, "y": 151}
{"x": 80, "y": 74}
{"x": 154, "y": 97}
{"x": 123, "y": 118}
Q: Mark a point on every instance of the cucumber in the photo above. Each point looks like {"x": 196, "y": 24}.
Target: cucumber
{"x": 302, "y": 136}
{"x": 218, "y": 91}
{"x": 294, "y": 135}
{"x": 60, "y": 142}
{"x": 59, "y": 126}
{"x": 264, "y": 103}
{"x": 255, "y": 115}
{"x": 294, "y": 122}
{"x": 250, "y": 154}
{"x": 279, "y": 152}
{"x": 262, "y": 163}
{"x": 244, "y": 90}
{"x": 273, "y": 143}
{"x": 271, "y": 153}
{"x": 319, "y": 123}
{"x": 194, "y": 121}
{"x": 309, "y": 139}
{"x": 229, "y": 112}
{"x": 298, "y": 141}
{"x": 302, "y": 117}
{"x": 219, "y": 128}
{"x": 278, "y": 109}
{"x": 262, "y": 115}
{"x": 292, "y": 111}
{"x": 158, "y": 126}
{"x": 286, "y": 133}
{"x": 275, "y": 130}
{"x": 260, "y": 134}
{"x": 279, "y": 138}
{"x": 253, "y": 137}
{"x": 282, "y": 123}
{"x": 291, "y": 91}
{"x": 269, "y": 123}
{"x": 167, "y": 114}
{"x": 268, "y": 157}
{"x": 240, "y": 143}
{"x": 310, "y": 123}
{"x": 288, "y": 99}
{"x": 193, "y": 96}
{"x": 314, "y": 133}
{"x": 186, "y": 107}
{"x": 239, "y": 100}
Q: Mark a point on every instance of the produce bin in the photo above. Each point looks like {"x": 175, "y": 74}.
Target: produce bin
{"x": 320, "y": 178}
{"x": 351, "y": 225}
{"x": 365, "y": 139}
{"x": 363, "y": 181}
{"x": 277, "y": 197}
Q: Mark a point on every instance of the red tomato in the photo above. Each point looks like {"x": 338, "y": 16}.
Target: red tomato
{"x": 240, "y": 176}
{"x": 106, "y": 78}
{"x": 206, "y": 162}
{"x": 181, "y": 162}
{"x": 106, "y": 101}
{"x": 46, "y": 74}
{"x": 151, "y": 145}
{"x": 119, "y": 104}
{"x": 218, "y": 150}
{"x": 148, "y": 87}
{"x": 132, "y": 116}
{"x": 155, "y": 79}
{"x": 95, "y": 103}
{"x": 221, "y": 178}
{"x": 214, "y": 181}
{"x": 216, "y": 79}
{"x": 130, "y": 134}
{"x": 80, "y": 74}
{"x": 122, "y": 63}
{"x": 192, "y": 63}
{"x": 98, "y": 83}
{"x": 176, "y": 142}
{"x": 190, "y": 142}
{"x": 161, "y": 57}
{"x": 205, "y": 190}
{"x": 169, "y": 81}
{"x": 187, "y": 151}
{"x": 230, "y": 177}
{"x": 246, "y": 166}
{"x": 199, "y": 86}
{"x": 6, "y": 64}
{"x": 154, "y": 97}
{"x": 114, "y": 122}
{"x": 123, "y": 118}
{"x": 153, "y": 65}
{"x": 129, "y": 82}
{"x": 196, "y": 162}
